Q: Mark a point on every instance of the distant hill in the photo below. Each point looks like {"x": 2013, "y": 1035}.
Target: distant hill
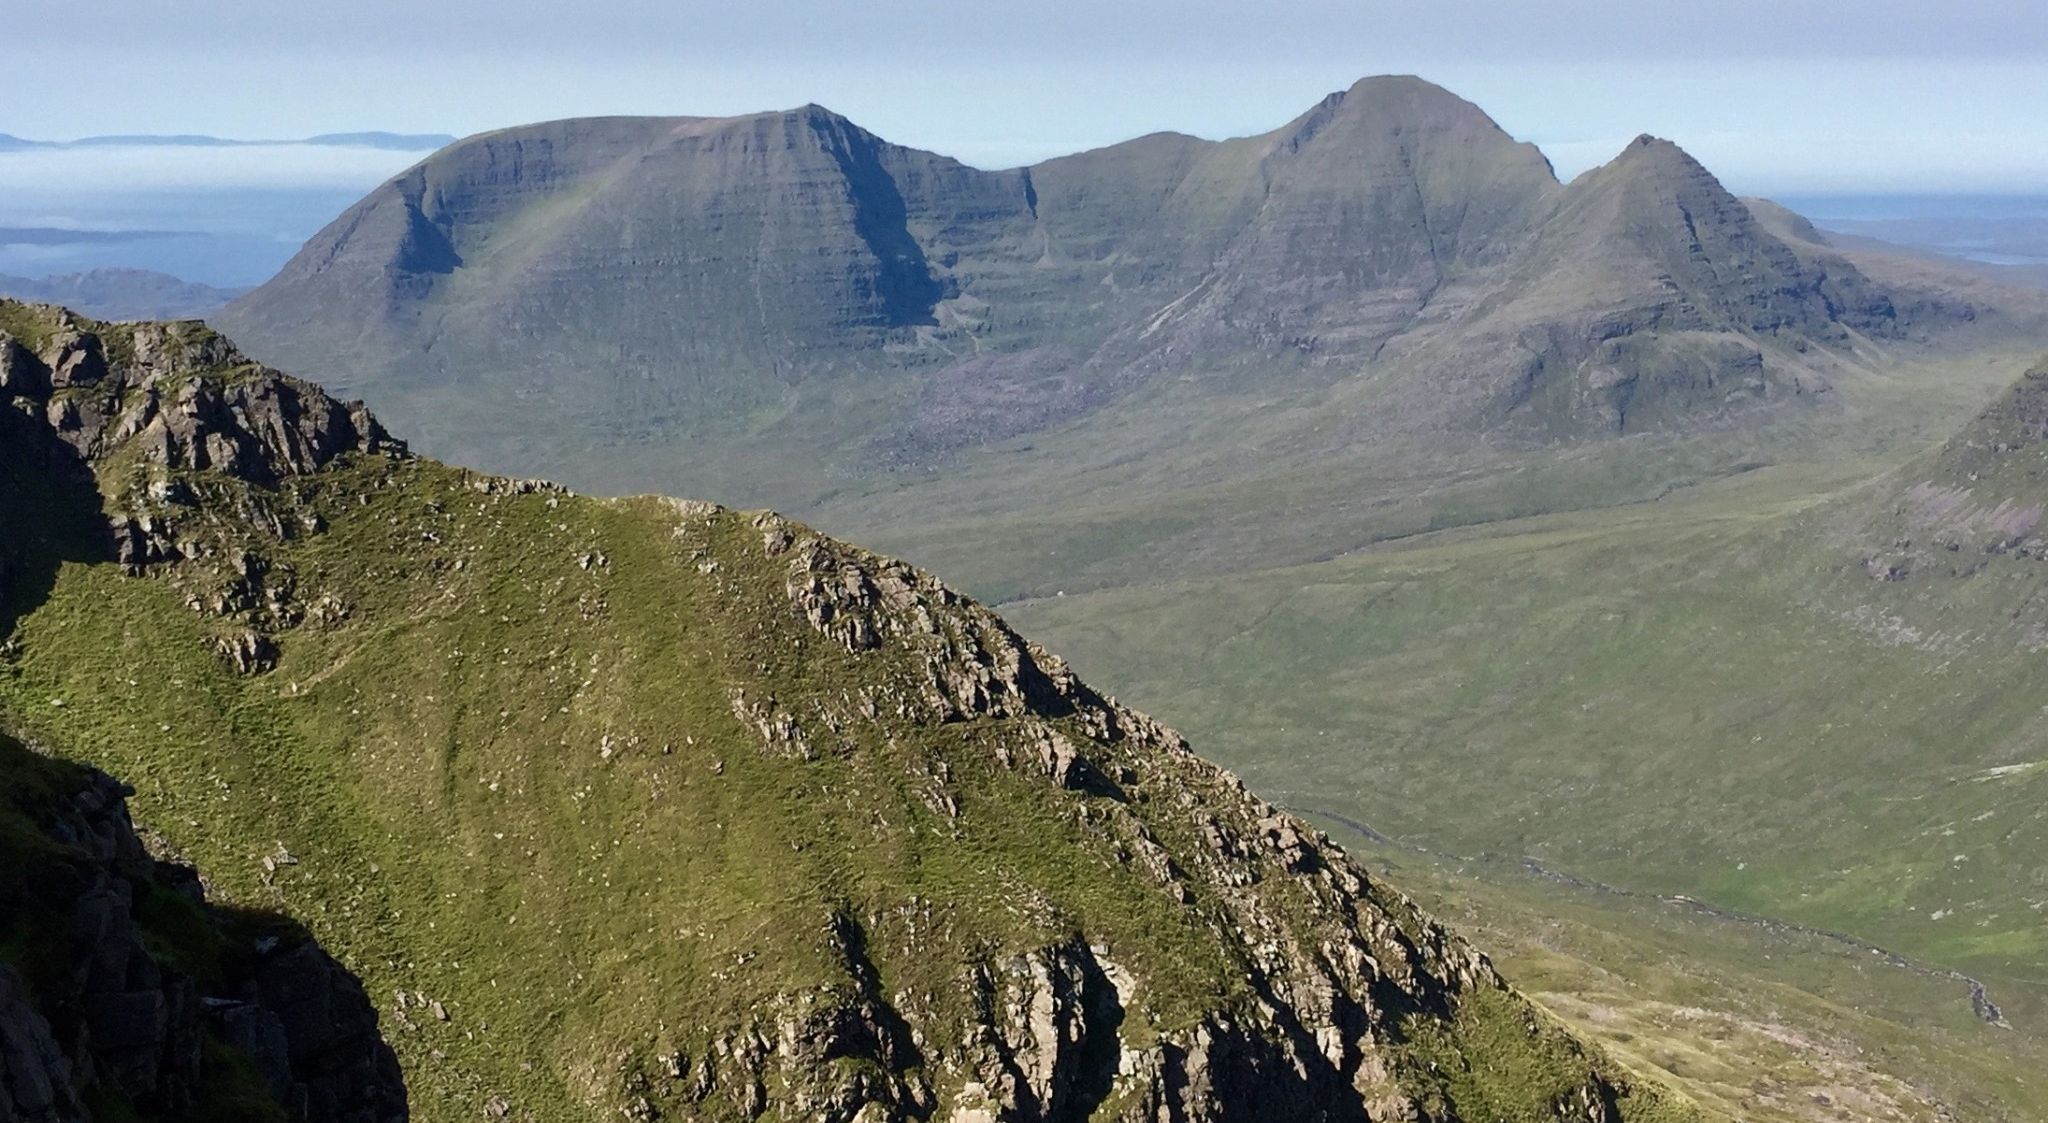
{"x": 123, "y": 294}
{"x": 404, "y": 142}
{"x": 777, "y": 305}
{"x": 1952, "y": 542}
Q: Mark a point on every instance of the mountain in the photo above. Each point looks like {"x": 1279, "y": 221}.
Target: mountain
{"x": 124, "y": 995}
{"x": 1652, "y": 297}
{"x": 782, "y": 307}
{"x": 122, "y": 294}
{"x": 653, "y": 807}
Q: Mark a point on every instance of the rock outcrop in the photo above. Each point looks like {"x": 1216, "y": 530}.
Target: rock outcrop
{"x": 121, "y": 986}
{"x": 1341, "y": 975}
{"x": 179, "y": 395}
{"x": 130, "y": 411}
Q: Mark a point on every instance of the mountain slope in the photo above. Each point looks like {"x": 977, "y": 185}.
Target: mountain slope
{"x": 651, "y": 806}
{"x": 124, "y": 996}
{"x": 1652, "y": 298}
{"x": 1952, "y": 539}
{"x": 1803, "y": 700}
{"x": 777, "y": 306}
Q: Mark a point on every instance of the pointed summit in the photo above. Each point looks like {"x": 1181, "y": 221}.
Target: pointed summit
{"x": 1654, "y": 214}
{"x": 1654, "y": 160}
{"x": 1410, "y": 96}
{"x": 1659, "y": 298}
{"x": 1401, "y": 110}
{"x": 1362, "y": 209}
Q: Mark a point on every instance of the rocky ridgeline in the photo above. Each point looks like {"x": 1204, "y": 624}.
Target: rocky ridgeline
{"x": 1338, "y": 969}
{"x": 1334, "y": 997}
{"x": 130, "y": 410}
{"x": 180, "y": 394}
{"x": 95, "y": 1013}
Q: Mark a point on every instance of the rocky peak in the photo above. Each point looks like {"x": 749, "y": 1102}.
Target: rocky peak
{"x": 1647, "y": 148}
{"x": 1654, "y": 186}
{"x": 1653, "y": 224}
{"x": 177, "y": 393}
{"x": 1412, "y": 100}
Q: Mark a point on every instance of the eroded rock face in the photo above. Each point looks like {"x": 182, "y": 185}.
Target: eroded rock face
{"x": 179, "y": 399}
{"x": 1338, "y": 971}
{"x": 185, "y": 397}
{"x": 94, "y": 1006}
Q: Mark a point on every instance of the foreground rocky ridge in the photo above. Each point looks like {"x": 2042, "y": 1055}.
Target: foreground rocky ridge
{"x": 122, "y": 990}
{"x": 657, "y": 808}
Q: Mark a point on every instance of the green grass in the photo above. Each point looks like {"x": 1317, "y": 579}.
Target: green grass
{"x": 504, "y": 762}
{"x": 1752, "y": 1020}
{"x": 1673, "y": 697}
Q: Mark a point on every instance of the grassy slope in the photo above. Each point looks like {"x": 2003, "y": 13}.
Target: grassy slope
{"x": 1755, "y": 1020}
{"x": 1650, "y": 696}
{"x": 503, "y": 759}
{"x": 438, "y": 767}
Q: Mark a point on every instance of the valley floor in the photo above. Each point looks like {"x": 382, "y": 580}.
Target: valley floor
{"x": 1782, "y": 839}
{"x": 1755, "y": 1020}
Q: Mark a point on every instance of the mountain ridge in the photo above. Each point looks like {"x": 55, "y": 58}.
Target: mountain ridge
{"x": 684, "y": 293}
{"x": 802, "y": 829}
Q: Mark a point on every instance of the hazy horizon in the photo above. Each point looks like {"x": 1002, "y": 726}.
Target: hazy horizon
{"x": 1876, "y": 97}
{"x": 1831, "y": 101}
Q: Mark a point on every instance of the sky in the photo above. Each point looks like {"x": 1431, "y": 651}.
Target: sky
{"x": 1781, "y": 96}
{"x": 1778, "y": 97}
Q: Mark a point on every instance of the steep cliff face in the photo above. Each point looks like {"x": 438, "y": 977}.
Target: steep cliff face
{"x": 122, "y": 991}
{"x": 655, "y": 808}
{"x": 175, "y": 394}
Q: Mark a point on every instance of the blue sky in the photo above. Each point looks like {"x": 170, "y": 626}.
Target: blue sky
{"x": 1776, "y": 97}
